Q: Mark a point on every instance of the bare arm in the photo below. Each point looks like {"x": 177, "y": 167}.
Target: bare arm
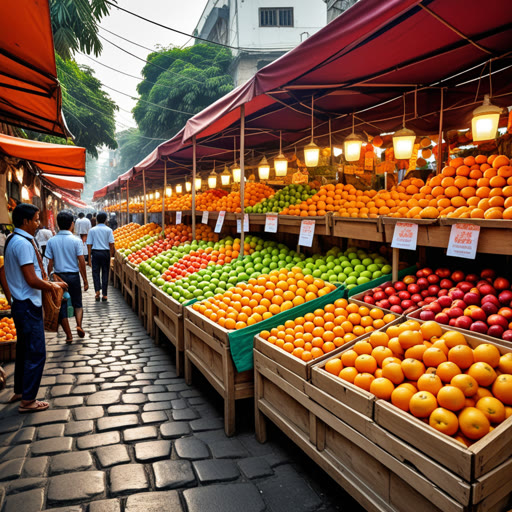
{"x": 50, "y": 266}
{"x": 112, "y": 250}
{"x": 29, "y": 273}
{"x": 5, "y": 286}
{"x": 83, "y": 272}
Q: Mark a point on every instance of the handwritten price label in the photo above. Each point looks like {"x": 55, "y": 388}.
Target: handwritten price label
{"x": 463, "y": 241}
{"x": 239, "y": 224}
{"x": 178, "y": 217}
{"x": 204, "y": 219}
{"x": 220, "y": 222}
{"x": 405, "y": 236}
{"x": 307, "y": 231}
{"x": 271, "y": 223}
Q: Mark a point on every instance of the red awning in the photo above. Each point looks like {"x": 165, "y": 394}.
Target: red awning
{"x": 30, "y": 94}
{"x": 50, "y": 158}
{"x": 65, "y": 182}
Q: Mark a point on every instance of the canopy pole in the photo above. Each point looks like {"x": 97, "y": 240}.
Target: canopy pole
{"x": 440, "y": 140}
{"x": 128, "y": 201}
{"x": 242, "y": 177}
{"x": 194, "y": 165}
{"x": 144, "y": 191}
{"x": 120, "y": 209}
{"x": 163, "y": 196}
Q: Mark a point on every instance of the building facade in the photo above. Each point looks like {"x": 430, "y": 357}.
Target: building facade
{"x": 259, "y": 30}
{"x": 336, "y": 7}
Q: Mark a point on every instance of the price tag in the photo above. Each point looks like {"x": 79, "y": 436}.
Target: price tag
{"x": 405, "y": 236}
{"x": 238, "y": 226}
{"x": 178, "y": 217}
{"x": 246, "y": 222}
{"x": 307, "y": 231}
{"x": 204, "y": 220}
{"x": 271, "y": 223}
{"x": 463, "y": 241}
{"x": 220, "y": 222}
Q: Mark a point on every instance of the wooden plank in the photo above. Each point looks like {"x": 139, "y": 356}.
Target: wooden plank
{"x": 357, "y": 229}
{"x": 207, "y": 325}
{"x": 496, "y": 482}
{"x": 403, "y": 495}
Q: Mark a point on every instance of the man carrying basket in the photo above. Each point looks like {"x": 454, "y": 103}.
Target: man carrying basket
{"x": 23, "y": 280}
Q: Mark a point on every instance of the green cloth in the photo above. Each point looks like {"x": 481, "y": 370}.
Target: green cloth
{"x": 241, "y": 342}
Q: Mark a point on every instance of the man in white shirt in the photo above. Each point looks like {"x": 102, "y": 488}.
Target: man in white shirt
{"x": 82, "y": 227}
{"x": 100, "y": 244}
{"x": 42, "y": 237}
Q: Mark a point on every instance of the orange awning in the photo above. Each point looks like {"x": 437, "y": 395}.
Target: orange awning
{"x": 30, "y": 94}
{"x": 65, "y": 182}
{"x": 52, "y": 158}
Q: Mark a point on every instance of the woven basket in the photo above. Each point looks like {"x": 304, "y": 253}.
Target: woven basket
{"x": 51, "y": 309}
{"x": 7, "y": 351}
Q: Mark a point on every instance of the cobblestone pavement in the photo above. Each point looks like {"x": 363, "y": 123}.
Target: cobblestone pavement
{"x": 121, "y": 424}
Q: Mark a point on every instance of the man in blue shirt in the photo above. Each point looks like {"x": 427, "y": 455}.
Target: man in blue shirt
{"x": 66, "y": 259}
{"x": 100, "y": 244}
{"x": 22, "y": 279}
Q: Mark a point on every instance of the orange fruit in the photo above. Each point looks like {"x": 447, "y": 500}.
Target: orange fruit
{"x": 473, "y": 423}
{"x": 362, "y": 347}
{"x": 422, "y": 404}
{"x": 466, "y": 383}
{"x": 382, "y": 388}
{"x": 434, "y": 356}
{"x": 393, "y": 372}
{"x": 430, "y": 329}
{"x": 412, "y": 369}
{"x": 348, "y": 358}
{"x": 365, "y": 364}
{"x": 493, "y": 409}
{"x": 429, "y": 382}
{"x": 453, "y": 338}
{"x": 364, "y": 380}
{"x": 447, "y": 371}
{"x": 487, "y": 353}
{"x": 451, "y": 397}
{"x": 505, "y": 364}
{"x": 378, "y": 338}
{"x": 483, "y": 373}
{"x": 334, "y": 366}
{"x": 401, "y": 396}
{"x": 462, "y": 356}
{"x": 444, "y": 420}
{"x": 409, "y": 338}
{"x": 502, "y": 388}
{"x": 380, "y": 353}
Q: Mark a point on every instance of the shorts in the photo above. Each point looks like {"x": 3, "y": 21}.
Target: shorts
{"x": 74, "y": 287}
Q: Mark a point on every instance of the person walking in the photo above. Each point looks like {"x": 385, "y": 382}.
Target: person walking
{"x": 82, "y": 227}
{"x": 113, "y": 222}
{"x": 43, "y": 234}
{"x": 93, "y": 220}
{"x": 23, "y": 279}
{"x": 100, "y": 245}
{"x": 65, "y": 254}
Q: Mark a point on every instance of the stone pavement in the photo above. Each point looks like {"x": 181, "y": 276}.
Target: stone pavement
{"x": 124, "y": 433}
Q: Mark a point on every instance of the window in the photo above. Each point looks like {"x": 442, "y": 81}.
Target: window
{"x": 276, "y": 17}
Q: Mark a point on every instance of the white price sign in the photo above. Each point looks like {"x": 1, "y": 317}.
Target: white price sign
{"x": 463, "y": 241}
{"x": 220, "y": 222}
{"x": 204, "y": 220}
{"x": 307, "y": 231}
{"x": 239, "y": 224}
{"x": 405, "y": 236}
{"x": 178, "y": 217}
{"x": 271, "y": 223}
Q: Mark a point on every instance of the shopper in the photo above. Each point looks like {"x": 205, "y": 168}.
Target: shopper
{"x": 93, "y": 220}
{"x": 113, "y": 222}
{"x": 43, "y": 234}
{"x": 82, "y": 226}
{"x": 100, "y": 244}
{"x": 22, "y": 279}
{"x": 66, "y": 259}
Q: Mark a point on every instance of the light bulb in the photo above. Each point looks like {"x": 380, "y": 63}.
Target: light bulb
{"x": 484, "y": 124}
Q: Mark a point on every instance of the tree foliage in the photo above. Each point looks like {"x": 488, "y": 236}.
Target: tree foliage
{"x": 75, "y": 25}
{"x": 89, "y": 111}
{"x": 133, "y": 147}
{"x": 179, "y": 83}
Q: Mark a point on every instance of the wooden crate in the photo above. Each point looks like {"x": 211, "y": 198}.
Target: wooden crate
{"x": 358, "y": 299}
{"x": 358, "y": 229}
{"x": 143, "y": 299}
{"x": 376, "y": 479}
{"x": 291, "y": 224}
{"x": 212, "y": 357}
{"x": 7, "y": 351}
{"x": 117, "y": 272}
{"x": 130, "y": 278}
{"x": 168, "y": 320}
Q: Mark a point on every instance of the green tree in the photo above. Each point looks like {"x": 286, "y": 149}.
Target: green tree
{"x": 179, "y": 83}
{"x": 89, "y": 111}
{"x": 133, "y": 147}
{"x": 75, "y": 25}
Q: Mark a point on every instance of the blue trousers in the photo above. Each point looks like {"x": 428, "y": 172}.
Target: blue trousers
{"x": 30, "y": 348}
{"x": 100, "y": 262}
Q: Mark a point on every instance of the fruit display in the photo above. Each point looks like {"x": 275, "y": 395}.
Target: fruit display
{"x": 253, "y": 194}
{"x": 7, "y": 329}
{"x": 4, "y": 304}
{"x": 130, "y": 237}
{"x": 461, "y": 389}
{"x": 262, "y": 297}
{"x": 283, "y": 199}
{"x": 320, "y": 332}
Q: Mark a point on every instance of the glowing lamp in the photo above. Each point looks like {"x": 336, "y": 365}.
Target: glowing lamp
{"x": 264, "y": 169}
{"x": 168, "y": 191}
{"x": 281, "y": 165}
{"x": 179, "y": 188}
{"x": 198, "y": 183}
{"x": 225, "y": 177}
{"x": 188, "y": 185}
{"x": 212, "y": 180}
{"x": 311, "y": 154}
{"x": 352, "y": 147}
{"x": 484, "y": 124}
{"x": 237, "y": 173}
{"x": 403, "y": 143}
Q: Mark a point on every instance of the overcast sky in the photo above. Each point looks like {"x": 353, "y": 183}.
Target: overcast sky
{"x": 182, "y": 15}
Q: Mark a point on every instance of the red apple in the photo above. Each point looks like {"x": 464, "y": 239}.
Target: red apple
{"x": 459, "y": 304}
{"x": 416, "y": 297}
{"x": 413, "y": 288}
{"x": 455, "y": 312}
{"x": 505, "y": 297}
{"x": 407, "y": 304}
{"x": 399, "y": 286}
{"x": 476, "y": 313}
{"x": 410, "y": 310}
{"x": 457, "y": 276}
{"x": 433, "y": 279}
{"x": 394, "y": 300}
{"x": 422, "y": 282}
{"x": 443, "y": 273}
{"x": 496, "y": 331}
{"x": 445, "y": 301}
{"x": 369, "y": 299}
{"x": 421, "y": 303}
{"x": 435, "y": 307}
{"x": 506, "y": 312}
{"x": 424, "y": 293}
{"x": 498, "y": 320}
{"x": 442, "y": 292}
{"x": 380, "y": 295}
{"x": 465, "y": 286}
{"x": 396, "y": 309}
{"x": 472, "y": 278}
{"x": 433, "y": 289}
{"x": 389, "y": 291}
{"x": 507, "y": 335}
{"x": 463, "y": 322}
{"x": 445, "y": 283}
{"x": 486, "y": 289}
{"x": 478, "y": 326}
{"x": 442, "y": 318}
{"x": 427, "y": 315}
{"x": 427, "y": 271}
{"x": 384, "y": 304}
{"x": 430, "y": 300}
{"x": 491, "y": 298}
{"x": 404, "y": 295}
{"x": 488, "y": 273}
{"x": 471, "y": 299}
{"x": 489, "y": 308}
{"x": 456, "y": 294}
{"x": 452, "y": 322}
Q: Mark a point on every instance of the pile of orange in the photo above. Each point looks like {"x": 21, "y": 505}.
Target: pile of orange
{"x": 434, "y": 375}
{"x": 262, "y": 297}
{"x": 320, "y": 332}
{"x": 4, "y": 304}
{"x": 253, "y": 194}
{"x": 125, "y": 239}
{"x": 124, "y": 230}
{"x": 183, "y": 233}
{"x": 7, "y": 329}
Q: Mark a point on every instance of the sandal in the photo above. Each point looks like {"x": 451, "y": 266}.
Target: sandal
{"x": 80, "y": 332}
{"x": 39, "y": 406}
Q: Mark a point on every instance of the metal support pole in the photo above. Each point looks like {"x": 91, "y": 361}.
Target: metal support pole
{"x": 120, "y": 209}
{"x": 194, "y": 168}
{"x": 128, "y": 201}
{"x": 440, "y": 140}
{"x": 144, "y": 191}
{"x": 242, "y": 177}
{"x": 163, "y": 196}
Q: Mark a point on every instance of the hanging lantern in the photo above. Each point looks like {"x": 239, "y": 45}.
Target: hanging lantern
{"x": 168, "y": 191}
{"x": 403, "y": 143}
{"x": 199, "y": 183}
{"x": 263, "y": 169}
{"x": 484, "y": 124}
{"x": 311, "y": 154}
{"x": 179, "y": 188}
{"x": 237, "y": 173}
{"x": 280, "y": 161}
{"x": 157, "y": 195}
{"x": 151, "y": 197}
{"x": 25, "y": 195}
{"x": 212, "y": 180}
{"x": 352, "y": 147}
{"x": 188, "y": 186}
{"x": 225, "y": 177}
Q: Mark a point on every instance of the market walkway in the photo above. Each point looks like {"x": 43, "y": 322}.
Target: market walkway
{"x": 122, "y": 424}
